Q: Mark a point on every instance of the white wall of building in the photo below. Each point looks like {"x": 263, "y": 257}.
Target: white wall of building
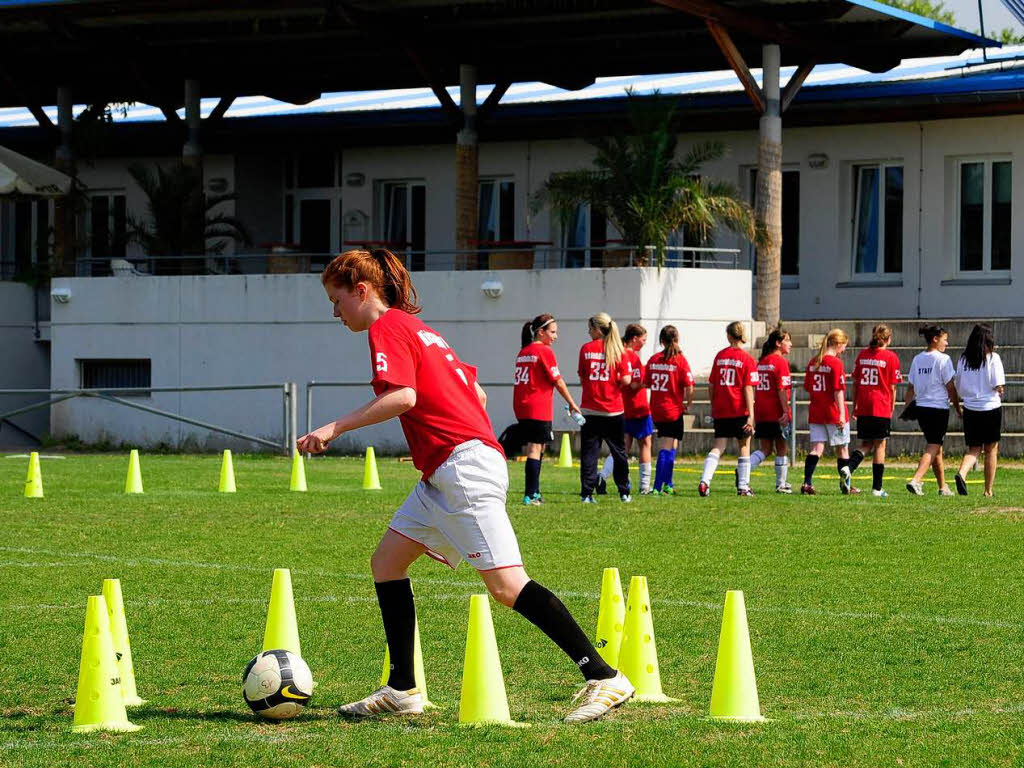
{"x": 259, "y": 329}
{"x": 26, "y": 362}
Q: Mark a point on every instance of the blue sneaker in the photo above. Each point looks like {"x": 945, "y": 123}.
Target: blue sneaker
{"x": 531, "y": 501}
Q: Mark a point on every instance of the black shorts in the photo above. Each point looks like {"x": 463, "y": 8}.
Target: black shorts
{"x": 673, "y": 429}
{"x": 934, "y": 422}
{"x": 731, "y": 427}
{"x": 873, "y": 428}
{"x": 768, "y": 430}
{"x": 535, "y": 431}
{"x": 982, "y": 427}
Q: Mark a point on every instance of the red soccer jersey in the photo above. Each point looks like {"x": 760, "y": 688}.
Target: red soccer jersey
{"x": 822, "y": 382}
{"x": 773, "y": 377}
{"x": 875, "y": 374}
{"x": 601, "y": 391}
{"x": 536, "y": 376}
{"x": 668, "y": 382}
{"x": 733, "y": 370}
{"x": 406, "y": 353}
{"x": 634, "y": 401}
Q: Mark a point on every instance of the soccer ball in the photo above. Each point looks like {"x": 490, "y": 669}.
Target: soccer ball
{"x": 277, "y": 685}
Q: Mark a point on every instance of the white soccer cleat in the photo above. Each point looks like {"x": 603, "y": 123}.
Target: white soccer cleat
{"x": 916, "y": 487}
{"x": 845, "y": 480}
{"x": 385, "y": 701}
{"x": 783, "y": 488}
{"x": 945, "y": 491}
{"x": 599, "y": 696}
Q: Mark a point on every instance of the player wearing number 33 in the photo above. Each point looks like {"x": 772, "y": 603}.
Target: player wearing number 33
{"x": 457, "y": 510}
{"x": 876, "y": 372}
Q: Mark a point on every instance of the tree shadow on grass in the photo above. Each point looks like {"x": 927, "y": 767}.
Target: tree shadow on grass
{"x": 218, "y": 715}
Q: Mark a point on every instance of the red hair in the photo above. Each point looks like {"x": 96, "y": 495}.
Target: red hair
{"x": 380, "y": 268}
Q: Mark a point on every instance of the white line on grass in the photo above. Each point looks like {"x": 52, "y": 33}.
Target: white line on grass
{"x": 705, "y": 605}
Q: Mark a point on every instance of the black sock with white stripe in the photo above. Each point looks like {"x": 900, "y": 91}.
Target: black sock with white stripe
{"x": 398, "y": 612}
{"x": 545, "y": 611}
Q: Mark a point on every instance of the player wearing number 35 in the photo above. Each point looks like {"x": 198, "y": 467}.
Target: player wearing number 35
{"x": 457, "y": 510}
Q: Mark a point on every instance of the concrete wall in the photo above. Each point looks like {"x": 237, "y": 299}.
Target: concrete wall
{"x": 258, "y": 329}
{"x": 26, "y": 364}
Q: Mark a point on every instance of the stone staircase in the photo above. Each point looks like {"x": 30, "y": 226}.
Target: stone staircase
{"x": 906, "y": 344}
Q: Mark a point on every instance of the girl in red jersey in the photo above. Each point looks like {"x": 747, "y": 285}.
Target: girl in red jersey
{"x": 670, "y": 380}
{"x": 829, "y": 420}
{"x": 771, "y": 406}
{"x": 731, "y": 387}
{"x": 602, "y": 373}
{"x": 458, "y": 509}
{"x": 637, "y": 422}
{"x": 876, "y": 373}
{"x": 536, "y": 375}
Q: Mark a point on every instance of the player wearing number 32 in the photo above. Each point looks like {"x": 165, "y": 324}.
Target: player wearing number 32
{"x": 670, "y": 380}
{"x": 731, "y": 386}
{"x": 457, "y": 510}
{"x": 876, "y": 373}
{"x": 829, "y": 420}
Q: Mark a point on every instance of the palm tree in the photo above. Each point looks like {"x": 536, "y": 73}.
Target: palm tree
{"x": 180, "y": 220}
{"x": 644, "y": 191}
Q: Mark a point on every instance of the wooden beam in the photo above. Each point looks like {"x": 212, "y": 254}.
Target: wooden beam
{"x": 795, "y": 82}
{"x": 170, "y": 114}
{"x": 218, "y": 111}
{"x": 447, "y": 103}
{"x": 739, "y": 66}
{"x": 485, "y": 110}
{"x": 41, "y": 117}
{"x": 764, "y": 30}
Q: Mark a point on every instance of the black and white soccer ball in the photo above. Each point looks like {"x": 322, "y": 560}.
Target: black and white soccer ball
{"x": 277, "y": 685}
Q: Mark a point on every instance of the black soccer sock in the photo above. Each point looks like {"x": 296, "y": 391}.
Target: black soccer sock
{"x": 545, "y": 611}
{"x": 399, "y": 615}
{"x": 877, "y": 473}
{"x": 856, "y": 457}
{"x": 840, "y": 463}
{"x": 810, "y": 463}
{"x": 532, "y": 477}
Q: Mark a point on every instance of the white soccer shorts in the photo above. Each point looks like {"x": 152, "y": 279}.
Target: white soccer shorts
{"x": 458, "y": 513}
{"x": 830, "y": 433}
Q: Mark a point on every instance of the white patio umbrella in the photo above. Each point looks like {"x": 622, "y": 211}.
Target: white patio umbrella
{"x": 22, "y": 175}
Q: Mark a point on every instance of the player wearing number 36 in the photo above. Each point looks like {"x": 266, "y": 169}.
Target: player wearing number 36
{"x": 876, "y": 373}
{"x": 457, "y": 510}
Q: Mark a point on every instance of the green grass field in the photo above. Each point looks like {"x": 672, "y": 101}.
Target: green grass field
{"x": 884, "y": 632}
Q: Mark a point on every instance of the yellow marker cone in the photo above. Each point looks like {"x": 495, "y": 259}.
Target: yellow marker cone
{"x": 565, "y": 455}
{"x": 419, "y": 677}
{"x": 119, "y": 637}
{"x": 34, "y": 480}
{"x": 133, "y": 482}
{"x": 282, "y": 632}
{"x": 99, "y": 703}
{"x": 638, "y": 656}
{"x": 483, "y": 699}
{"x": 371, "y": 480}
{"x": 734, "y": 693}
{"x": 610, "y": 617}
{"x": 298, "y": 482}
{"x": 227, "y": 474}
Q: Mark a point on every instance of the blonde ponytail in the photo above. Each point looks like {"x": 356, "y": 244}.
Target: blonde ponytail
{"x": 613, "y": 347}
{"x": 833, "y": 338}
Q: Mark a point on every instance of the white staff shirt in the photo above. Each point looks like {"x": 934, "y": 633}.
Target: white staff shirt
{"x": 977, "y": 387}
{"x": 930, "y": 373}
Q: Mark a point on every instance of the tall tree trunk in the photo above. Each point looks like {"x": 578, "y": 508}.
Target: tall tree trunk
{"x": 768, "y": 203}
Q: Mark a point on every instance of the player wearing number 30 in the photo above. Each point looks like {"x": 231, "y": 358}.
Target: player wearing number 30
{"x": 876, "y": 373}
{"x": 536, "y": 375}
{"x": 457, "y": 511}
{"x": 731, "y": 386}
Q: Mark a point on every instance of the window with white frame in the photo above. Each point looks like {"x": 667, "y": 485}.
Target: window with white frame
{"x": 496, "y": 217}
{"x": 877, "y": 219}
{"x": 402, "y": 215}
{"x": 983, "y": 215}
{"x": 585, "y": 237}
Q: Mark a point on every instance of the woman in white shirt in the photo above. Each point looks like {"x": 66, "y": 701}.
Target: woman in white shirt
{"x": 980, "y": 381}
{"x": 931, "y": 385}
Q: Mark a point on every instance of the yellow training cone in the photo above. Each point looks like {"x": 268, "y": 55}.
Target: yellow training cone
{"x": 282, "y": 632}
{"x": 734, "y": 693}
{"x": 34, "y": 480}
{"x": 610, "y": 617}
{"x": 638, "y": 657}
{"x": 119, "y": 637}
{"x": 227, "y": 474}
{"x": 133, "y": 483}
{"x": 417, "y": 668}
{"x": 99, "y": 704}
{"x": 371, "y": 480}
{"x": 483, "y": 699}
{"x": 298, "y": 482}
{"x": 565, "y": 455}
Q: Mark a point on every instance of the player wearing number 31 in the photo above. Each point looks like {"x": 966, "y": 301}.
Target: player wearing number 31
{"x": 457, "y": 510}
{"x": 731, "y": 386}
{"x": 827, "y": 416}
{"x": 876, "y": 373}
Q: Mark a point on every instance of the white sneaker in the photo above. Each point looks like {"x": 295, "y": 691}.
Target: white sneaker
{"x": 845, "y": 479}
{"x": 880, "y": 493}
{"x": 783, "y": 488}
{"x": 599, "y": 696}
{"x": 945, "y": 491}
{"x": 385, "y": 701}
{"x": 917, "y": 488}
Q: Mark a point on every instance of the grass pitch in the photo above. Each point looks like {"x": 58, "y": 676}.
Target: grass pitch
{"x": 884, "y": 631}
